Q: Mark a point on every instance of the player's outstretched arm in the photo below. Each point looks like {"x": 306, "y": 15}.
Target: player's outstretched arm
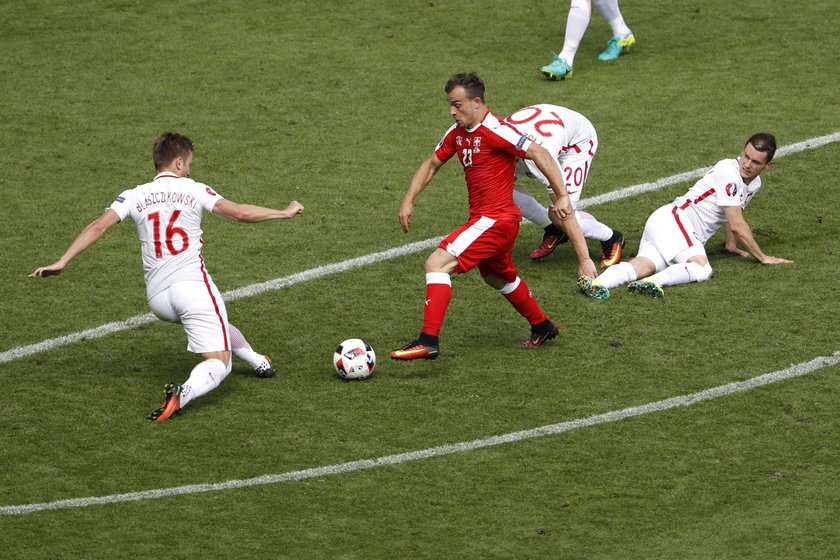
{"x": 421, "y": 179}
{"x": 562, "y": 207}
{"x": 250, "y": 214}
{"x": 562, "y": 212}
{"x": 741, "y": 231}
{"x": 586, "y": 267}
{"x": 88, "y": 236}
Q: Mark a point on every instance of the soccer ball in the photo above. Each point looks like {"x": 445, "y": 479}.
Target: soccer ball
{"x": 354, "y": 359}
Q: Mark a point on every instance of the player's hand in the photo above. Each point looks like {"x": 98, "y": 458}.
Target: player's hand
{"x": 737, "y": 251}
{"x": 562, "y": 208}
{"x": 52, "y": 270}
{"x": 293, "y": 209}
{"x": 406, "y": 212}
{"x": 775, "y": 260}
{"x": 587, "y": 268}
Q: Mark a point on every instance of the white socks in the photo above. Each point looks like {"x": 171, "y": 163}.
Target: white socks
{"x": 535, "y": 212}
{"x": 612, "y": 15}
{"x": 591, "y": 227}
{"x": 576, "y": 24}
{"x": 242, "y": 349}
{"x": 204, "y": 377}
{"x": 530, "y": 207}
{"x": 208, "y": 374}
{"x": 617, "y": 274}
{"x": 682, "y": 273}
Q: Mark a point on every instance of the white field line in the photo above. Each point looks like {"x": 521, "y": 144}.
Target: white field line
{"x": 326, "y": 270}
{"x": 796, "y": 370}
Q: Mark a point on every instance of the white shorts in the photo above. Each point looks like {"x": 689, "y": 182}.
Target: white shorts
{"x": 669, "y": 238}
{"x": 199, "y": 307}
{"x": 574, "y": 163}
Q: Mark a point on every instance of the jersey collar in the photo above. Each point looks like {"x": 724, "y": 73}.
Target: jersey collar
{"x": 481, "y": 122}
{"x": 166, "y": 175}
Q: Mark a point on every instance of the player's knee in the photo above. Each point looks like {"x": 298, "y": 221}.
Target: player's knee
{"x": 700, "y": 273}
{"x": 503, "y": 286}
{"x": 440, "y": 261}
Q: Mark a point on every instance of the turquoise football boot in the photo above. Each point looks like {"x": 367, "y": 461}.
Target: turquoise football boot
{"x": 557, "y": 69}
{"x": 616, "y": 47}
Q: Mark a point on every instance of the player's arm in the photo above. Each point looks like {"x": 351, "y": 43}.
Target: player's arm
{"x": 562, "y": 206}
{"x": 731, "y": 244}
{"x": 88, "y": 236}
{"x": 741, "y": 231}
{"x": 249, "y": 213}
{"x": 562, "y": 213}
{"x": 421, "y": 179}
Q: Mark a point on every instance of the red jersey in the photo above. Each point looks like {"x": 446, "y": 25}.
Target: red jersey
{"x": 488, "y": 153}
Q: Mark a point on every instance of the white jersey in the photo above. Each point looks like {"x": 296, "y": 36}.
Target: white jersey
{"x": 705, "y": 203}
{"x": 168, "y": 214}
{"x": 567, "y": 135}
{"x": 559, "y": 130}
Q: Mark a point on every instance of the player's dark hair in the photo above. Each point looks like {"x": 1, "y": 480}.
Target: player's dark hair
{"x": 764, "y": 142}
{"x": 471, "y": 83}
{"x": 170, "y": 146}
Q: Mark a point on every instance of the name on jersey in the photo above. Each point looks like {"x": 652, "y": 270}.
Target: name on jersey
{"x": 160, "y": 197}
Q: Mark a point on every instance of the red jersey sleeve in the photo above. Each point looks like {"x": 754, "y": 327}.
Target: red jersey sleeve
{"x": 446, "y": 147}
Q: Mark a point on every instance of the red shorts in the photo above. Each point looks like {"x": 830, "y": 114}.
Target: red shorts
{"x": 486, "y": 243}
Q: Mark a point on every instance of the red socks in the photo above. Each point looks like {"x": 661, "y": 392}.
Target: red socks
{"x": 519, "y": 296}
{"x": 438, "y": 295}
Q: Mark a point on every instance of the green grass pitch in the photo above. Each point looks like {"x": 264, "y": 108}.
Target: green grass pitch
{"x": 335, "y": 103}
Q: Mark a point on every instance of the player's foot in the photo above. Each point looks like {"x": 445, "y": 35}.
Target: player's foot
{"x": 592, "y": 288}
{"x": 611, "y": 249}
{"x": 551, "y": 239}
{"x": 171, "y": 403}
{"x": 646, "y": 288}
{"x": 557, "y": 69}
{"x": 616, "y": 46}
{"x": 542, "y": 333}
{"x": 415, "y": 350}
{"x": 265, "y": 369}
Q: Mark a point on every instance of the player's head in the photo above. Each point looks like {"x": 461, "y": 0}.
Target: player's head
{"x": 173, "y": 151}
{"x": 763, "y": 142}
{"x": 472, "y": 84}
{"x": 465, "y": 94}
{"x": 757, "y": 155}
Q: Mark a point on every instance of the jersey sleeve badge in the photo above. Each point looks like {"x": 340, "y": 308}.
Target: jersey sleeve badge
{"x": 731, "y": 189}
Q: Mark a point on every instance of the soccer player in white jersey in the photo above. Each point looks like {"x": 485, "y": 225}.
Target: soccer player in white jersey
{"x": 168, "y": 212}
{"x": 571, "y": 140}
{"x": 672, "y": 248}
{"x": 576, "y": 23}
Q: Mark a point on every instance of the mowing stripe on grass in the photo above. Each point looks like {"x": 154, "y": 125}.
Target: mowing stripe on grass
{"x": 796, "y": 370}
{"x": 326, "y": 270}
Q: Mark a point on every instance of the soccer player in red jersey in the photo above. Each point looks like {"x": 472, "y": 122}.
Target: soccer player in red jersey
{"x": 487, "y": 149}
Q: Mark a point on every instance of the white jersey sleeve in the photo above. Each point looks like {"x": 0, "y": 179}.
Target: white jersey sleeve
{"x": 726, "y": 182}
{"x": 706, "y": 201}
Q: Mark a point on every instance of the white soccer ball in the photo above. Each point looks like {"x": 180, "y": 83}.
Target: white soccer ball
{"x": 354, "y": 359}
